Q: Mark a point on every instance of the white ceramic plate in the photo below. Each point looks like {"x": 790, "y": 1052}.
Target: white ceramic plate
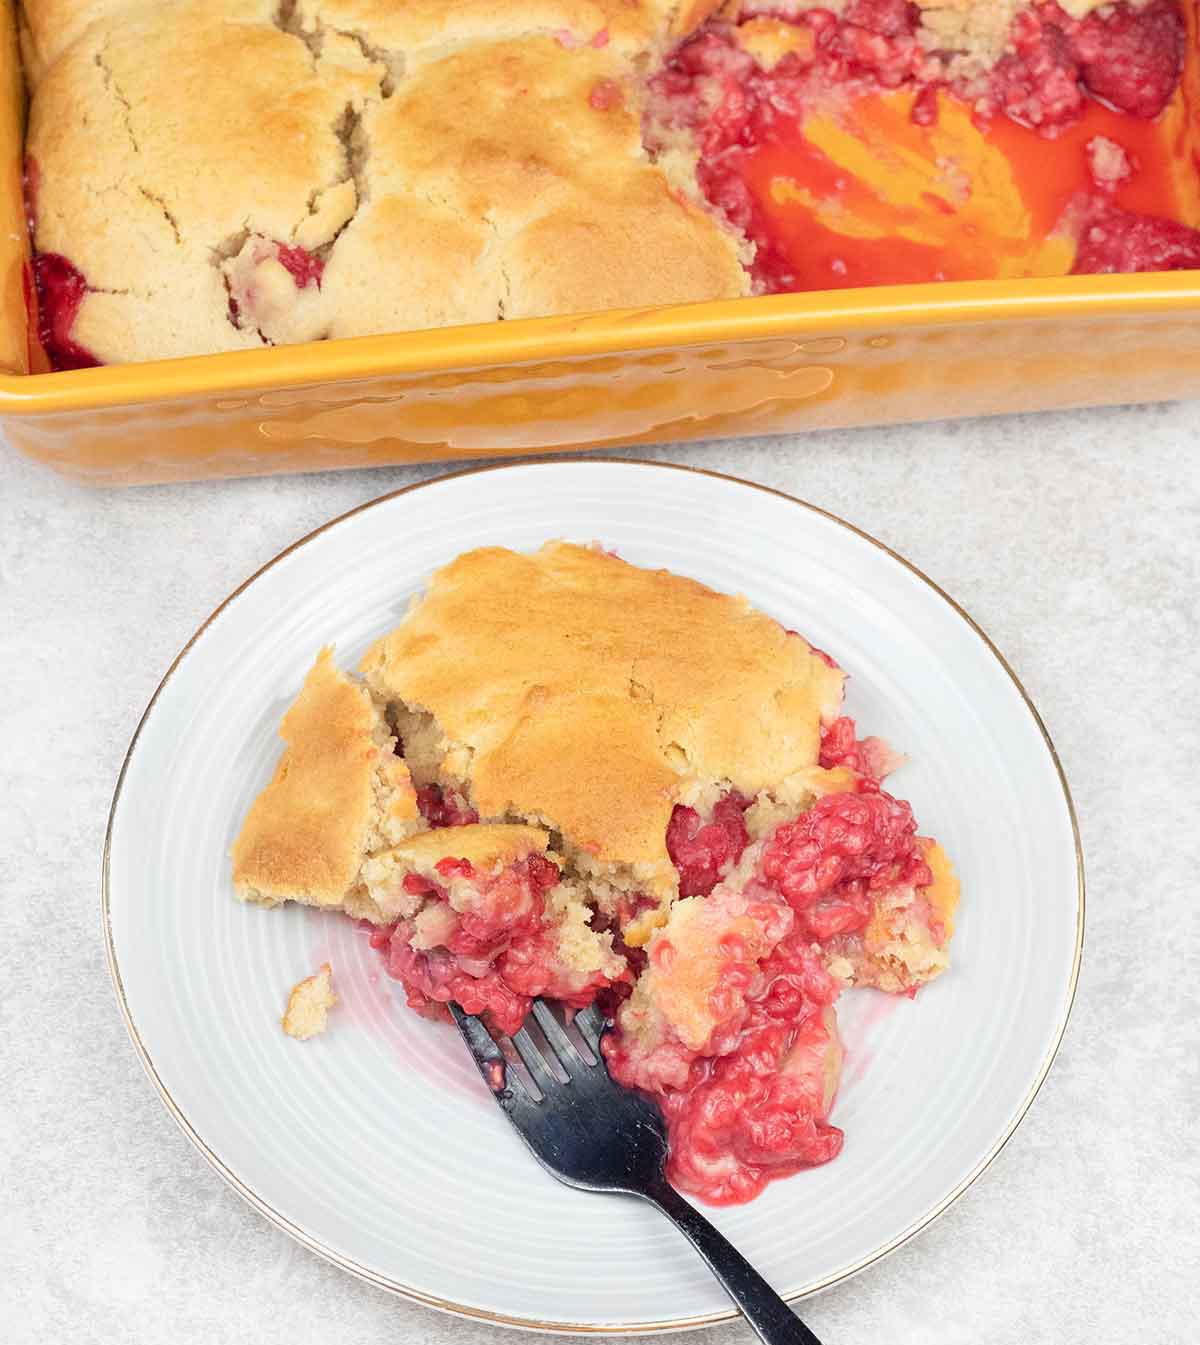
{"x": 377, "y": 1144}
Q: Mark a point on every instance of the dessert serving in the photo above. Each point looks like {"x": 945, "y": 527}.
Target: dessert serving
{"x": 207, "y": 176}
{"x": 565, "y": 776}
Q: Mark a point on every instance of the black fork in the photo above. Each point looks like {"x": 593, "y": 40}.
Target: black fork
{"x": 590, "y": 1133}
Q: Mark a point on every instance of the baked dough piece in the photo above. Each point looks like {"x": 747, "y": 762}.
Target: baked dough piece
{"x": 589, "y": 695}
{"x": 307, "y": 1012}
{"x": 421, "y": 26}
{"x": 684, "y": 991}
{"x": 509, "y": 180}
{"x": 338, "y": 794}
{"x": 167, "y": 138}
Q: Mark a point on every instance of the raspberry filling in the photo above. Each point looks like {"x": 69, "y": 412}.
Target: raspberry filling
{"x": 759, "y": 1112}
{"x": 871, "y": 758}
{"x": 750, "y": 1103}
{"x": 444, "y": 807}
{"x": 303, "y": 266}
{"x": 775, "y": 162}
{"x": 832, "y": 860}
{"x": 486, "y": 946}
{"x": 701, "y": 851}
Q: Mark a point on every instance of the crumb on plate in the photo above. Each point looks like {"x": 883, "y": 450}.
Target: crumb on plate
{"x": 309, "y": 1003}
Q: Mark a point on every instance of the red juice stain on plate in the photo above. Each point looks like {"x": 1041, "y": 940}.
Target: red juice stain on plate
{"x": 859, "y": 1058}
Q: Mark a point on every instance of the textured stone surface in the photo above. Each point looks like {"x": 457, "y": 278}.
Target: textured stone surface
{"x": 1073, "y": 539}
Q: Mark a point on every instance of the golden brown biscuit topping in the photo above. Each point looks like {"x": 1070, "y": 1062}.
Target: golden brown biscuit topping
{"x": 483, "y": 845}
{"x": 338, "y": 792}
{"x": 413, "y": 164}
{"x": 589, "y": 694}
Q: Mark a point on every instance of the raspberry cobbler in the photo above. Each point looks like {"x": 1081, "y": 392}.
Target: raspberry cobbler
{"x": 406, "y": 164}
{"x": 564, "y": 776}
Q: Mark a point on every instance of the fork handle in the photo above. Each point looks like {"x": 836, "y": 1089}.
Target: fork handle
{"x": 773, "y": 1321}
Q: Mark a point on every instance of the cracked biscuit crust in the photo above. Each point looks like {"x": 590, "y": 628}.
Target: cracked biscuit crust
{"x": 338, "y": 793}
{"x": 163, "y": 139}
{"x": 484, "y": 845}
{"x": 589, "y": 695}
{"x": 49, "y": 27}
{"x": 434, "y": 26}
{"x": 428, "y": 165}
{"x": 501, "y": 184}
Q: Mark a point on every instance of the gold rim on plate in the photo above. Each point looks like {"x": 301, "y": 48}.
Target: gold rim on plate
{"x": 529, "y": 1323}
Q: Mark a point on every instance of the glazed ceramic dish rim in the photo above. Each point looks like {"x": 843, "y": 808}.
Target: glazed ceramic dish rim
{"x": 643, "y": 1327}
{"x": 816, "y": 315}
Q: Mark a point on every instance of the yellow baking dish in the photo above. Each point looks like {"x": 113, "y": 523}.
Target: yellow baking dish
{"x": 748, "y": 366}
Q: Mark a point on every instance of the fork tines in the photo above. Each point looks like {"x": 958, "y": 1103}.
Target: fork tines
{"x": 552, "y": 1058}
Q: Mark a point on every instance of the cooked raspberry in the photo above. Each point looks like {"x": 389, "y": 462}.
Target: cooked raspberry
{"x": 1113, "y": 240}
{"x": 870, "y": 757}
{"x": 1132, "y": 58}
{"x": 1037, "y": 84}
{"x": 701, "y": 851}
{"x": 433, "y": 977}
{"x": 417, "y": 886}
{"x": 454, "y": 868}
{"x": 827, "y": 862}
{"x": 531, "y": 966}
{"x": 304, "y": 267}
{"x": 839, "y": 743}
{"x": 507, "y": 908}
{"x": 543, "y": 875}
{"x": 889, "y": 18}
{"x": 494, "y": 955}
{"x": 444, "y": 808}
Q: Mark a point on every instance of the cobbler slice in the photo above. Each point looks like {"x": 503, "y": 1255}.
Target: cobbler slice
{"x": 577, "y": 779}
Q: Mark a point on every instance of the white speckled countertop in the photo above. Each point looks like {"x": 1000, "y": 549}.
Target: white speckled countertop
{"x": 1073, "y": 539}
